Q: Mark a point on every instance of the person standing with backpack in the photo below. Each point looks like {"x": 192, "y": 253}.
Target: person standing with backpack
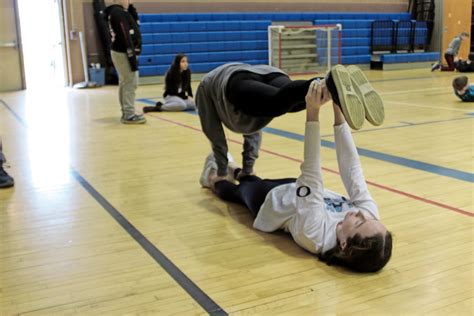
{"x": 126, "y": 46}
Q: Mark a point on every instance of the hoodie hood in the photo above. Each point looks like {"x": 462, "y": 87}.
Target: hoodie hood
{"x": 110, "y": 8}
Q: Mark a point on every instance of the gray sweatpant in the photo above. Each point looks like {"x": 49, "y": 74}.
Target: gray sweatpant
{"x": 175, "y": 103}
{"x": 128, "y": 83}
{"x": 212, "y": 126}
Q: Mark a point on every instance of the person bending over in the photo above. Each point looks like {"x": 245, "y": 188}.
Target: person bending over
{"x": 126, "y": 46}
{"x": 245, "y": 98}
{"x": 339, "y": 230}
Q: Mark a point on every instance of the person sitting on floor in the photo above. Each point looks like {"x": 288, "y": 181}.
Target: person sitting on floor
{"x": 178, "y": 94}
{"x": 463, "y": 65}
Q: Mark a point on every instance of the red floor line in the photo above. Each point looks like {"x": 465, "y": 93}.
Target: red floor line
{"x": 380, "y": 186}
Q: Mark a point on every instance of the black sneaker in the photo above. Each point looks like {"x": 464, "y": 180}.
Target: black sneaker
{"x": 5, "y": 180}
{"x": 156, "y": 108}
{"x": 435, "y": 66}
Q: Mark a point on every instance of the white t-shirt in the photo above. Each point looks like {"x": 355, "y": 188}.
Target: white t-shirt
{"x": 305, "y": 209}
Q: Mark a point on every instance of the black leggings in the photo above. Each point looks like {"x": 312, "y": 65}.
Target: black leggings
{"x": 450, "y": 60}
{"x": 270, "y": 95}
{"x": 250, "y": 192}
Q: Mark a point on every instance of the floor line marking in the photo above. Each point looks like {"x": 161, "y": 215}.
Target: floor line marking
{"x": 393, "y": 190}
{"x": 425, "y": 106}
{"x": 182, "y": 279}
{"x": 397, "y": 160}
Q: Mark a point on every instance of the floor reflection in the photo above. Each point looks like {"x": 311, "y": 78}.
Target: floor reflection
{"x": 47, "y": 117}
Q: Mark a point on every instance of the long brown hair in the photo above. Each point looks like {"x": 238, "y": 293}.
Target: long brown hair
{"x": 369, "y": 254}
{"x": 178, "y": 77}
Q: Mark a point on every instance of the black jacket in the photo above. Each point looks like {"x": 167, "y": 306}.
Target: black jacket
{"x": 463, "y": 66}
{"x": 174, "y": 80}
{"x": 125, "y": 32}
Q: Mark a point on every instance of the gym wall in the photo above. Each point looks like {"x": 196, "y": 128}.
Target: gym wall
{"x": 79, "y": 16}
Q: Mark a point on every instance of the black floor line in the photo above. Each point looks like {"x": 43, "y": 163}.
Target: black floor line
{"x": 186, "y": 283}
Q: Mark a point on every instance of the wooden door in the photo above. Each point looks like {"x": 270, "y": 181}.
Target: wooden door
{"x": 11, "y": 68}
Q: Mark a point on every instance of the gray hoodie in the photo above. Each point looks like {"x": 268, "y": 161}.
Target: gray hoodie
{"x": 453, "y": 48}
{"x": 214, "y": 110}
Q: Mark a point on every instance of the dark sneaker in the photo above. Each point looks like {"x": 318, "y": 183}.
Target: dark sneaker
{"x": 373, "y": 104}
{"x": 156, "y": 108}
{"x": 134, "y": 119}
{"x": 5, "y": 180}
{"x": 435, "y": 66}
{"x": 350, "y": 103}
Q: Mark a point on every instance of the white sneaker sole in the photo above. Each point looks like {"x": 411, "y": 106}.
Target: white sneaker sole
{"x": 373, "y": 103}
{"x": 351, "y": 105}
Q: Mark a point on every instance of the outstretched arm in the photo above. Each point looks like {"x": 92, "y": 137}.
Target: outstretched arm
{"x": 311, "y": 176}
{"x": 349, "y": 164}
{"x": 310, "y": 210}
{"x": 212, "y": 128}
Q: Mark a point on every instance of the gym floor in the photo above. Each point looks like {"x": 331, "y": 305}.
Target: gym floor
{"x": 107, "y": 218}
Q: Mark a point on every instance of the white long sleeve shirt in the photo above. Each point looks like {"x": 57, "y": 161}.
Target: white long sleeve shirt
{"x": 305, "y": 209}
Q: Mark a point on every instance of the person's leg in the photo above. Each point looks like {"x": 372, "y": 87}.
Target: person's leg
{"x": 190, "y": 105}
{"x": 450, "y": 60}
{"x": 277, "y": 80}
{"x": 332, "y": 89}
{"x": 252, "y": 143}
{"x": 173, "y": 104}
{"x": 253, "y": 95}
{"x": 125, "y": 80}
{"x": 227, "y": 191}
{"x": 118, "y": 66}
{"x": 251, "y": 191}
{"x": 127, "y": 88}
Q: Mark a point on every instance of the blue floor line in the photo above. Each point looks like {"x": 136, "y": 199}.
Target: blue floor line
{"x": 410, "y": 163}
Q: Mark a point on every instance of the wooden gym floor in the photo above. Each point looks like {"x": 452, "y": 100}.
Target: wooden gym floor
{"x": 110, "y": 219}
